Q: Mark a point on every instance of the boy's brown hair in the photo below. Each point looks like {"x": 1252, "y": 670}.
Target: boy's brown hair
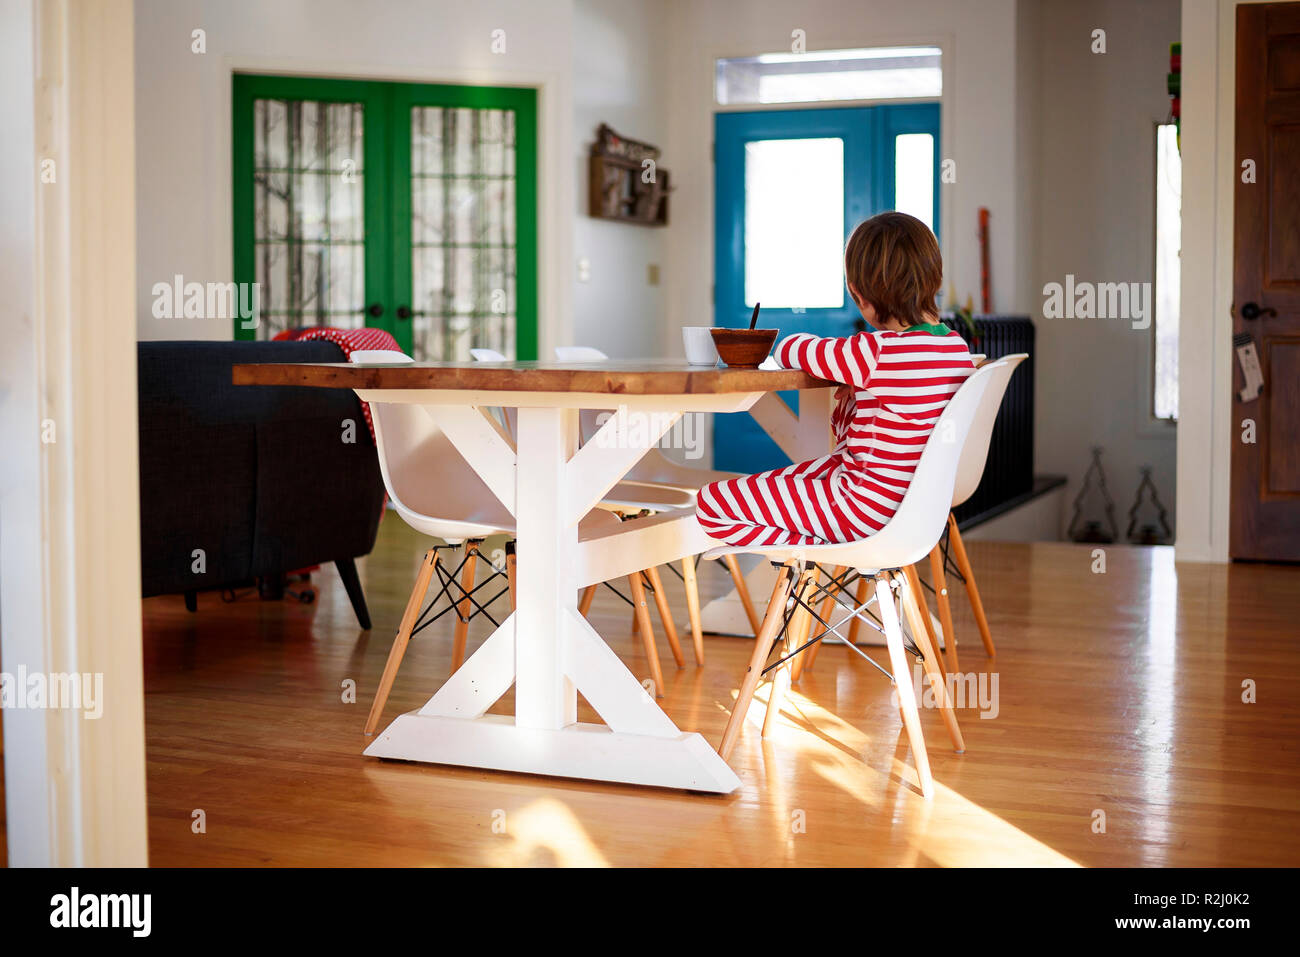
{"x": 893, "y": 261}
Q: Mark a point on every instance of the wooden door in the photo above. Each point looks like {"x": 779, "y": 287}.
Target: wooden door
{"x": 1265, "y": 499}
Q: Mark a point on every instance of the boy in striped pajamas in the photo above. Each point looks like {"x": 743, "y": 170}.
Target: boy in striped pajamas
{"x": 896, "y": 381}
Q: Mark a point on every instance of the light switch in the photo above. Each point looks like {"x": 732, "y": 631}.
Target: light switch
{"x": 652, "y": 274}
{"x": 584, "y": 269}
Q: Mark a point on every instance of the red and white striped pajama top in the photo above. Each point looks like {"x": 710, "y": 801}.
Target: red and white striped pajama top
{"x": 896, "y": 384}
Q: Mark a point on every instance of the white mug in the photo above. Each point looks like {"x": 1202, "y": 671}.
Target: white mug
{"x": 698, "y": 342}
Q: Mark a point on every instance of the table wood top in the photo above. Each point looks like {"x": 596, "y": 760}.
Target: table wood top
{"x": 612, "y": 376}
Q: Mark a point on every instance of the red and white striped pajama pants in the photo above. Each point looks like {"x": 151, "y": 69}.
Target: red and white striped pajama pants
{"x": 795, "y": 505}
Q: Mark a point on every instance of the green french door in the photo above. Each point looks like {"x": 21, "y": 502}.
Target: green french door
{"x": 406, "y": 207}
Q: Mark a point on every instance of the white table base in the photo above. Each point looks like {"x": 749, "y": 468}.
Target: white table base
{"x": 546, "y": 649}
{"x": 638, "y": 745}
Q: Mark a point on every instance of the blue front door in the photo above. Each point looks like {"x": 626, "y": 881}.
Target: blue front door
{"x": 790, "y": 185}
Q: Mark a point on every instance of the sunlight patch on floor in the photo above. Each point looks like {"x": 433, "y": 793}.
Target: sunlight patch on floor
{"x": 948, "y": 830}
{"x": 543, "y": 833}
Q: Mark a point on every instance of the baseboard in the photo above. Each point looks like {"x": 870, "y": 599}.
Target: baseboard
{"x": 1036, "y": 516}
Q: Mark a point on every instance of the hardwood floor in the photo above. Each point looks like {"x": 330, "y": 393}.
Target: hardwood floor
{"x": 1117, "y": 693}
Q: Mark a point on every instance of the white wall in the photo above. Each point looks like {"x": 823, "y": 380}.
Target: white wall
{"x": 618, "y": 78}
{"x": 183, "y": 133}
{"x": 1096, "y": 209}
{"x": 1029, "y": 106}
{"x": 979, "y": 124}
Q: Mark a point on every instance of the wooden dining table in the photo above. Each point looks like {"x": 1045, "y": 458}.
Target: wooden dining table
{"x": 548, "y": 478}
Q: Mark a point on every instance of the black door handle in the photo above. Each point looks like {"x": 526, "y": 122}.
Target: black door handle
{"x": 376, "y": 309}
{"x": 403, "y": 312}
{"x": 1253, "y": 310}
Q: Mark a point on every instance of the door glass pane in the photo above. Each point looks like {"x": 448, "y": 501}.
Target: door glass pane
{"x": 1169, "y": 229}
{"x": 914, "y": 176}
{"x": 463, "y": 241}
{"x": 309, "y": 221}
{"x": 794, "y": 223}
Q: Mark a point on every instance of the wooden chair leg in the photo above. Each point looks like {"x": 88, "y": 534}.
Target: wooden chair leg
{"x": 642, "y": 613}
{"x": 804, "y": 631}
{"x": 859, "y": 597}
{"x": 403, "y": 638}
{"x": 826, "y": 610}
{"x": 795, "y": 634}
{"x": 510, "y": 576}
{"x": 692, "y": 584}
{"x": 666, "y": 615}
{"x": 584, "y": 603}
{"x": 463, "y": 607}
{"x": 742, "y": 590}
{"x": 963, "y": 564}
{"x": 918, "y": 599}
{"x": 903, "y": 684}
{"x": 940, "y": 582}
{"x": 934, "y": 674}
{"x": 762, "y": 648}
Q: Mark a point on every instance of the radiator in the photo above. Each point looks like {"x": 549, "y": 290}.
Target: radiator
{"x": 1009, "y": 472}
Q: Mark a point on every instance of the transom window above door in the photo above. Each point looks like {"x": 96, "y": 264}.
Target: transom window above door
{"x": 406, "y": 207}
{"x": 822, "y": 76}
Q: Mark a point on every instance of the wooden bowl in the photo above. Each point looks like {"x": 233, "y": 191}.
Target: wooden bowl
{"x": 743, "y": 348}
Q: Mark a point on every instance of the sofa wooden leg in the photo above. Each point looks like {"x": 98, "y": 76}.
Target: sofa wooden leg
{"x": 352, "y": 583}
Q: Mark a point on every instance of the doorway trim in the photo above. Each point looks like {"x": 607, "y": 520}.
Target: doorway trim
{"x": 75, "y": 790}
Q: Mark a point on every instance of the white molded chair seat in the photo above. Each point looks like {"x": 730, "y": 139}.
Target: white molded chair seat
{"x": 579, "y": 354}
{"x": 975, "y": 453}
{"x": 630, "y": 494}
{"x": 459, "y": 506}
{"x": 654, "y": 467}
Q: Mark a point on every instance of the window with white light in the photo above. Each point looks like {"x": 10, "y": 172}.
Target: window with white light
{"x": 914, "y": 176}
{"x": 877, "y": 73}
{"x": 794, "y": 223}
{"x": 1169, "y": 230}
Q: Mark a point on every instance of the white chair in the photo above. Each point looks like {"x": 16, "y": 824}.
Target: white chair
{"x": 628, "y": 498}
{"x": 655, "y": 468}
{"x": 908, "y": 536}
{"x": 970, "y": 470}
{"x": 579, "y": 354}
{"x": 457, "y": 509}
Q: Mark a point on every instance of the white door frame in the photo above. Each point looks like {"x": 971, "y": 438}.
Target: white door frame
{"x": 70, "y": 552}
